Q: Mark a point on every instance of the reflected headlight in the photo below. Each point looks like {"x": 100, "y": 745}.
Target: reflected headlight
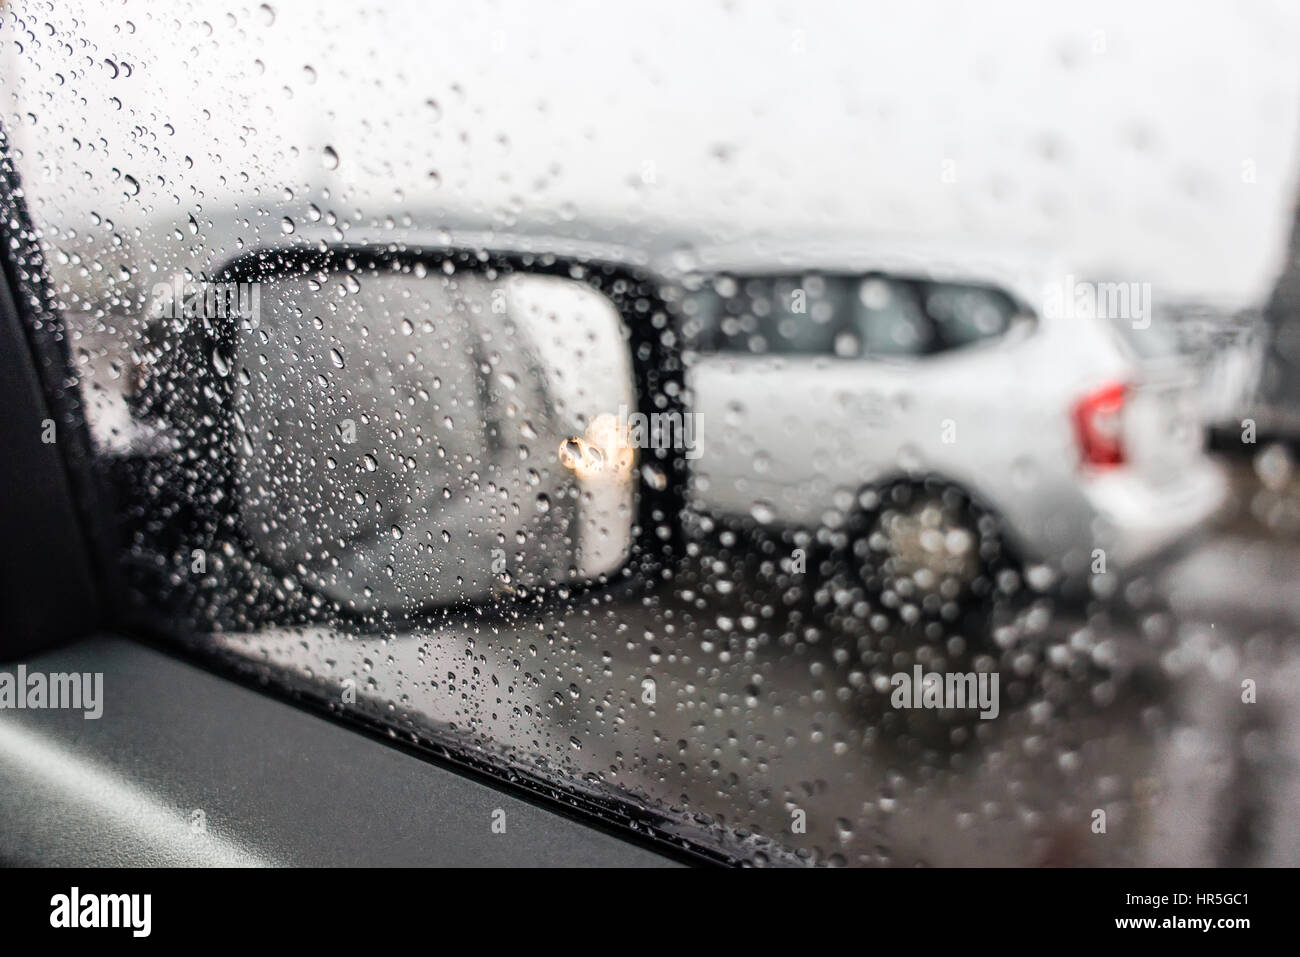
{"x": 603, "y": 451}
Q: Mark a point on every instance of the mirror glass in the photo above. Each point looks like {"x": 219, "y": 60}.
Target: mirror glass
{"x": 409, "y": 440}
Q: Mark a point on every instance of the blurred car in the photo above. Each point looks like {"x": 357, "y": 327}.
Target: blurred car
{"x": 1227, "y": 348}
{"x": 917, "y": 400}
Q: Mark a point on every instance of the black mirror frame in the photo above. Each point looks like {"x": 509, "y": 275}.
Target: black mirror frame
{"x": 653, "y": 338}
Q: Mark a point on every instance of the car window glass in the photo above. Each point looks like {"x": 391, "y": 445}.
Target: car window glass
{"x": 966, "y": 314}
{"x": 520, "y": 387}
{"x": 891, "y": 319}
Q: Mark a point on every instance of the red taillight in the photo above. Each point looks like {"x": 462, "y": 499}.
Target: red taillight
{"x": 1098, "y": 426}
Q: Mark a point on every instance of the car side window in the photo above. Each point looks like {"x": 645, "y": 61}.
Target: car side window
{"x": 890, "y": 319}
{"x": 778, "y": 315}
{"x": 966, "y": 314}
{"x": 569, "y": 397}
{"x": 842, "y": 316}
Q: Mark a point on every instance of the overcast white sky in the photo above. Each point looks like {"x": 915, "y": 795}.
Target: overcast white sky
{"x": 1153, "y": 140}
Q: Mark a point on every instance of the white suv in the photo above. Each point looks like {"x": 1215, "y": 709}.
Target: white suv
{"x": 922, "y": 399}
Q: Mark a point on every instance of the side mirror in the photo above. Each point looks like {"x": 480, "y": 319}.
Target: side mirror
{"x": 399, "y": 430}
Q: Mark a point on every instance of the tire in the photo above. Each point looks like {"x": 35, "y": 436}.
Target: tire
{"x": 920, "y": 552}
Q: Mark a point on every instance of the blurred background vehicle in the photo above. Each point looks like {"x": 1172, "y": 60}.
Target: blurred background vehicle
{"x": 849, "y": 382}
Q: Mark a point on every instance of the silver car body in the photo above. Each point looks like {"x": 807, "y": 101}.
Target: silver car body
{"x": 792, "y": 439}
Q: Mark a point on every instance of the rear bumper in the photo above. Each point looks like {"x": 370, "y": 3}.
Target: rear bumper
{"x": 1135, "y": 520}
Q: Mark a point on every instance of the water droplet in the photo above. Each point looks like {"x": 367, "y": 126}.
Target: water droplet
{"x": 654, "y": 477}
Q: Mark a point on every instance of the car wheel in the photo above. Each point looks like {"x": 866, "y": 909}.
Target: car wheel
{"x": 920, "y": 551}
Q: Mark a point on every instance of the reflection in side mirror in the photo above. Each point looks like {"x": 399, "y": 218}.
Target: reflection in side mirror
{"x": 404, "y": 435}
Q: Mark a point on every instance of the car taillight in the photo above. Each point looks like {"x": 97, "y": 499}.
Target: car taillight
{"x": 1098, "y": 424}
